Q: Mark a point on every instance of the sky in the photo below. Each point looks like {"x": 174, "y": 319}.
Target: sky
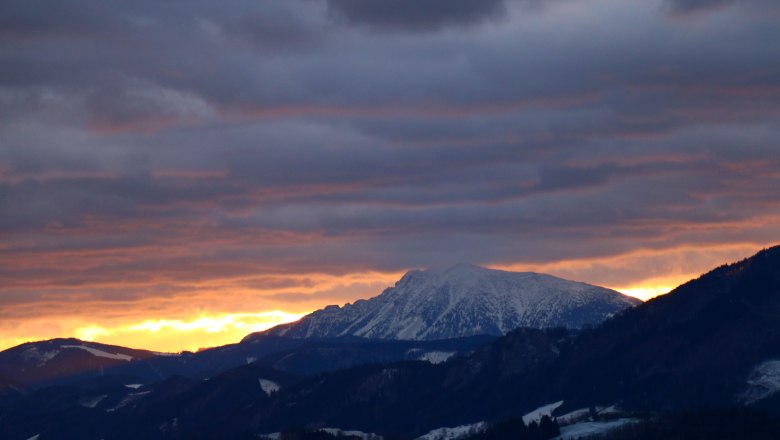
{"x": 178, "y": 174}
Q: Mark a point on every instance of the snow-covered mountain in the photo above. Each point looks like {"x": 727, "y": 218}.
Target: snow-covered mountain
{"x": 463, "y": 300}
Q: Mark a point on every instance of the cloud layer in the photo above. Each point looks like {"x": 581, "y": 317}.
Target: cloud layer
{"x": 156, "y": 156}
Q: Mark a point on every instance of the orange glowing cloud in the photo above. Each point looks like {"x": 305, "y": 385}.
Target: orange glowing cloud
{"x": 173, "y": 335}
{"x": 644, "y": 273}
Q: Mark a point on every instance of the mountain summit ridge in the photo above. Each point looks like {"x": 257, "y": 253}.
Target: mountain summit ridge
{"x": 462, "y": 300}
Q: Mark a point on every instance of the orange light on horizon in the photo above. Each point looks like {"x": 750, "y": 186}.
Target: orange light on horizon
{"x": 643, "y": 273}
{"x": 209, "y": 317}
{"x": 645, "y": 292}
{"x": 170, "y": 335}
{"x": 175, "y": 335}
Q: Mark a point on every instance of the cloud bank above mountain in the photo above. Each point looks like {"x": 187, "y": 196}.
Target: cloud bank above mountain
{"x": 181, "y": 158}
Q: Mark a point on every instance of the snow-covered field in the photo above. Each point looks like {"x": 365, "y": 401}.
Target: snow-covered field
{"x": 454, "y": 433}
{"x": 333, "y": 431}
{"x": 591, "y": 428}
{"x": 573, "y": 416}
{"x": 581, "y": 414}
{"x": 538, "y": 413}
{"x": 362, "y": 435}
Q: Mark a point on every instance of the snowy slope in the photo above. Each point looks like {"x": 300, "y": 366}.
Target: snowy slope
{"x": 589, "y": 429}
{"x": 455, "y": 433}
{"x": 537, "y": 414}
{"x": 463, "y": 300}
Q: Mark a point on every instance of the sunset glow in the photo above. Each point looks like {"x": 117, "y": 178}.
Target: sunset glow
{"x": 216, "y": 311}
{"x": 177, "y": 335}
{"x": 210, "y": 316}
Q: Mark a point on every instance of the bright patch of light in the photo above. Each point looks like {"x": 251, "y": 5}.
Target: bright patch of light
{"x": 174, "y": 335}
{"x": 645, "y": 293}
{"x": 91, "y": 332}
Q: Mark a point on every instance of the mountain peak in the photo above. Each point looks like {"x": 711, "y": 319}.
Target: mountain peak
{"x": 457, "y": 272}
{"x": 459, "y": 268}
{"x": 463, "y": 300}
{"x": 467, "y": 270}
{"x": 464, "y": 272}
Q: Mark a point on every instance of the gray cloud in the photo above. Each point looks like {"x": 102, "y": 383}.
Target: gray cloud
{"x": 416, "y": 16}
{"x": 687, "y": 7}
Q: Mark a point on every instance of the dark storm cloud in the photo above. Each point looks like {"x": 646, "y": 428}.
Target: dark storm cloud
{"x": 154, "y": 143}
{"x": 52, "y": 19}
{"x": 116, "y": 20}
{"x": 415, "y": 15}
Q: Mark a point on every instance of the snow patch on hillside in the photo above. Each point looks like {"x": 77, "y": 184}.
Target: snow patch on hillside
{"x": 614, "y": 409}
{"x": 436, "y": 357}
{"x": 170, "y": 424}
{"x": 268, "y": 386}
{"x": 455, "y": 432}
{"x": 587, "y": 429}
{"x": 101, "y": 353}
{"x": 538, "y": 413}
{"x": 359, "y": 434}
{"x": 763, "y": 381}
{"x": 573, "y": 417}
{"x": 93, "y": 402}
{"x": 583, "y": 414}
{"x": 40, "y": 358}
{"x": 128, "y": 399}
{"x": 333, "y": 431}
